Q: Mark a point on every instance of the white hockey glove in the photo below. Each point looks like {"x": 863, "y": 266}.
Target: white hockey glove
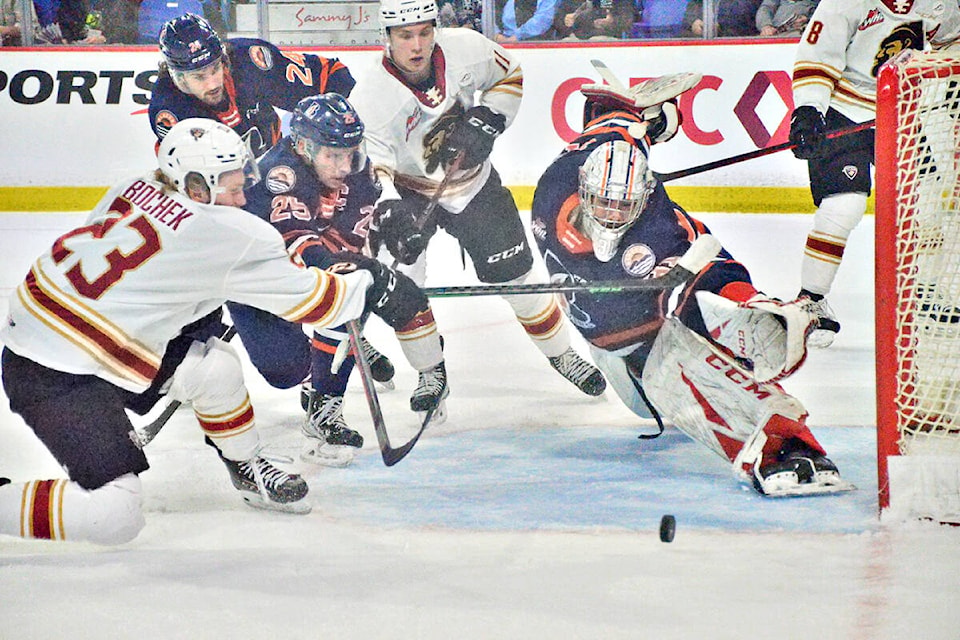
{"x": 769, "y": 333}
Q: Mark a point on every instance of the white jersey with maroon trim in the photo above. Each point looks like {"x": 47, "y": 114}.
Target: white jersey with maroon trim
{"x": 404, "y": 124}
{"x": 108, "y": 297}
{"x": 846, "y": 42}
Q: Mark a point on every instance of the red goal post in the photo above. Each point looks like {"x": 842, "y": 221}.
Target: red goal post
{"x": 918, "y": 286}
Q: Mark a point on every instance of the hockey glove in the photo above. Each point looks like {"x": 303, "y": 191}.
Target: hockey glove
{"x": 663, "y": 121}
{"x": 808, "y": 131}
{"x": 473, "y": 134}
{"x": 395, "y": 227}
{"x": 392, "y": 296}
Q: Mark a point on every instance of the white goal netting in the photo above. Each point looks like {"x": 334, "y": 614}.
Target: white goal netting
{"x": 918, "y": 284}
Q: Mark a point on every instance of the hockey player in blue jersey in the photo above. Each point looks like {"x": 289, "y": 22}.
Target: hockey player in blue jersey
{"x": 318, "y": 190}
{"x": 238, "y": 82}
{"x": 710, "y": 364}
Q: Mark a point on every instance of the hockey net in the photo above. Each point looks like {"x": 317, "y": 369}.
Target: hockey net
{"x": 918, "y": 287}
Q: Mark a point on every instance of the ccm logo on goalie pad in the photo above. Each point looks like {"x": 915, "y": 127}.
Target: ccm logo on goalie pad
{"x": 737, "y": 376}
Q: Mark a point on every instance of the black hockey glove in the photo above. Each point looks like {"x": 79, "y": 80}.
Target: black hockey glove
{"x": 808, "y": 131}
{"x": 392, "y": 296}
{"x": 473, "y": 134}
{"x": 395, "y": 227}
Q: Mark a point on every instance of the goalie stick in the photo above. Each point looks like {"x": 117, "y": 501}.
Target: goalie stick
{"x": 702, "y": 251}
{"x": 143, "y": 436}
{"x": 750, "y": 155}
{"x": 391, "y": 455}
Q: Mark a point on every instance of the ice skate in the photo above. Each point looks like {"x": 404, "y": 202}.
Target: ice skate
{"x": 381, "y": 368}
{"x": 580, "y": 372}
{"x": 329, "y": 441}
{"x": 827, "y": 326}
{"x": 265, "y": 486}
{"x": 799, "y": 471}
{"x": 430, "y": 393}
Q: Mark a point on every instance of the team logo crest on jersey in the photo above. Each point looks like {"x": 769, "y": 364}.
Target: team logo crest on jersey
{"x": 905, "y": 36}
{"x": 281, "y": 179}
{"x": 850, "y": 171}
{"x": 164, "y": 120}
{"x": 260, "y": 56}
{"x": 638, "y": 260}
{"x": 899, "y": 7}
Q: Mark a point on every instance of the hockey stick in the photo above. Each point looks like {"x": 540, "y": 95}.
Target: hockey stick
{"x": 701, "y": 252}
{"x": 391, "y": 455}
{"x": 750, "y": 155}
{"x": 435, "y": 198}
{"x": 143, "y": 437}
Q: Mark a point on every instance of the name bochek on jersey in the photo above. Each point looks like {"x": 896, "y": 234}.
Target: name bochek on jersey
{"x": 846, "y": 42}
{"x": 406, "y": 124}
{"x": 108, "y": 297}
{"x": 257, "y": 78}
{"x": 662, "y": 233}
{"x": 314, "y": 222}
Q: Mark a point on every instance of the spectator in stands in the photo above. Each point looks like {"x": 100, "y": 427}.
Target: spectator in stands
{"x": 461, "y": 13}
{"x": 526, "y": 20}
{"x": 785, "y": 18}
{"x": 737, "y": 18}
{"x": 65, "y": 22}
{"x": 660, "y": 19}
{"x": 693, "y": 20}
{"x": 118, "y": 19}
{"x": 10, "y": 21}
{"x": 595, "y": 19}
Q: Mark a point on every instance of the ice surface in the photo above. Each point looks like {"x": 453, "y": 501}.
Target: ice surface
{"x": 531, "y": 513}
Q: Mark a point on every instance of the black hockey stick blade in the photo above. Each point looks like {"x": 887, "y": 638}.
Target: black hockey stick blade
{"x": 143, "y": 436}
{"x": 703, "y": 250}
{"x": 750, "y": 155}
{"x": 391, "y": 455}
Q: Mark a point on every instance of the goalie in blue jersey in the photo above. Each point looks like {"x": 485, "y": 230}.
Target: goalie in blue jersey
{"x": 709, "y": 364}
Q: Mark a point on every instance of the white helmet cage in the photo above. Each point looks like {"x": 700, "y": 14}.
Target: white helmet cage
{"x": 615, "y": 183}
{"x": 208, "y": 149}
{"x": 398, "y": 13}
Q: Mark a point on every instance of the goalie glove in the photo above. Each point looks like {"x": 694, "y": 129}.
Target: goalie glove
{"x": 473, "y": 134}
{"x": 663, "y": 121}
{"x": 808, "y": 132}
{"x": 393, "y": 296}
{"x": 769, "y": 334}
{"x": 395, "y": 227}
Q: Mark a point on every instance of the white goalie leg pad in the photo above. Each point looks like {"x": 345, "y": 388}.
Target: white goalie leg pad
{"x": 210, "y": 378}
{"x": 770, "y": 334}
{"x": 709, "y": 397}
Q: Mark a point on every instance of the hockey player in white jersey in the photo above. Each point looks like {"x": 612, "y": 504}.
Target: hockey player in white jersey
{"x": 834, "y": 87}
{"x": 433, "y": 106}
{"x": 112, "y": 316}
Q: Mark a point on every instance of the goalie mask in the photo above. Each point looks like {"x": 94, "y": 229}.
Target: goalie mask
{"x": 199, "y": 151}
{"x": 326, "y": 130}
{"x": 615, "y": 183}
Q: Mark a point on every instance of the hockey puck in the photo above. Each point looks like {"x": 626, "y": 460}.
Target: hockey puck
{"x": 668, "y": 527}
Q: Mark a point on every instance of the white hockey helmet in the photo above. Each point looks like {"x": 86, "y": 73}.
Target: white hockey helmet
{"x": 615, "y": 182}
{"x": 205, "y": 148}
{"x": 397, "y": 13}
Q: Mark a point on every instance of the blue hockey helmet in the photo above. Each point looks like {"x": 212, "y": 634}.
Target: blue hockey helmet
{"x": 188, "y": 43}
{"x": 327, "y": 120}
